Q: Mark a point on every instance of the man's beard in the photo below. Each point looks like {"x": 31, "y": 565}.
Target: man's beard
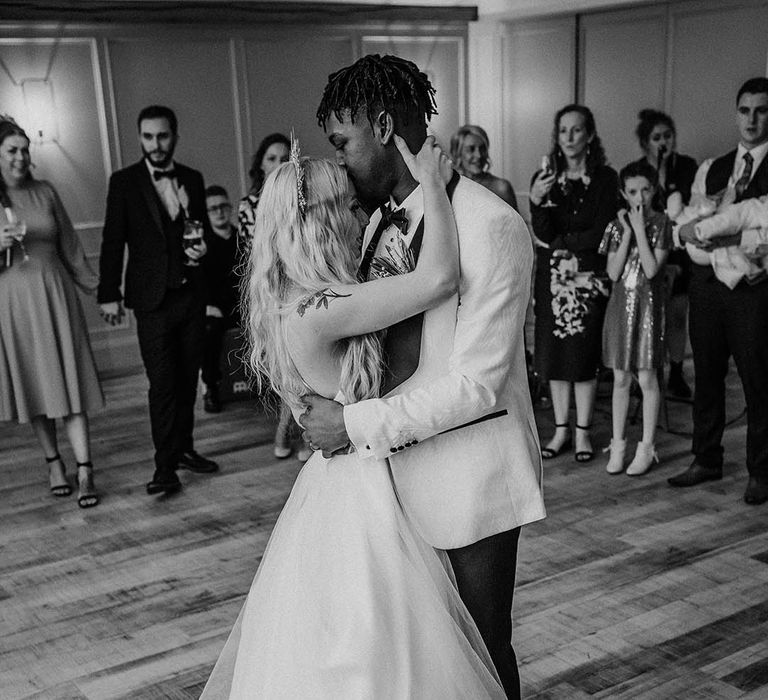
{"x": 168, "y": 157}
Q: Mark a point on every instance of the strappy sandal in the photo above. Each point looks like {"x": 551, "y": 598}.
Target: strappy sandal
{"x": 87, "y": 496}
{"x": 549, "y": 453}
{"x": 58, "y": 489}
{"x": 584, "y": 455}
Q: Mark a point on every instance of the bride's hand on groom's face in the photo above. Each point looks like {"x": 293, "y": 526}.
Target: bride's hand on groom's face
{"x": 430, "y": 164}
{"x": 323, "y": 424}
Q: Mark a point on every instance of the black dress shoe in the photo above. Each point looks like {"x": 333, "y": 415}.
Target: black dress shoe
{"x": 211, "y": 401}
{"x": 197, "y": 463}
{"x": 695, "y": 474}
{"x": 756, "y": 493}
{"x": 164, "y": 482}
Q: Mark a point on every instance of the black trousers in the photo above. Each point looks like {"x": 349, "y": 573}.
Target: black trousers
{"x": 171, "y": 344}
{"x": 485, "y": 576}
{"x": 724, "y": 322}
{"x": 214, "y": 336}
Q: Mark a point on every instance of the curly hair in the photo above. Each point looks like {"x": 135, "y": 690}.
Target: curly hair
{"x": 377, "y": 82}
{"x": 308, "y": 252}
{"x": 649, "y": 119}
{"x": 595, "y": 152}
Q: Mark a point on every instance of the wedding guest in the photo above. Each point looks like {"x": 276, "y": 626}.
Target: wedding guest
{"x": 47, "y": 370}
{"x": 150, "y": 204}
{"x": 637, "y": 244}
{"x": 728, "y": 311}
{"x": 221, "y": 312}
{"x": 571, "y": 205}
{"x": 469, "y": 152}
{"x": 657, "y": 136}
{"x": 272, "y": 152}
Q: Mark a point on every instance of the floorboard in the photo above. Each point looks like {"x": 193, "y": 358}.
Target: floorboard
{"x": 629, "y": 589}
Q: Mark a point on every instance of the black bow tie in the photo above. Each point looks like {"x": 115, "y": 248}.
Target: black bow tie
{"x": 394, "y": 218}
{"x": 160, "y": 174}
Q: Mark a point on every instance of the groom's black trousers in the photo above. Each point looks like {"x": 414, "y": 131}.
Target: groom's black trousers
{"x": 485, "y": 576}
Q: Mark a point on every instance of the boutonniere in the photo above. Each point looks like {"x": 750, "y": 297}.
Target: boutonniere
{"x": 183, "y": 200}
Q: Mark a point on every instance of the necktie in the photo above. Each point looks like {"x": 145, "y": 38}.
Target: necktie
{"x": 394, "y": 218}
{"x": 743, "y": 181}
{"x": 160, "y": 174}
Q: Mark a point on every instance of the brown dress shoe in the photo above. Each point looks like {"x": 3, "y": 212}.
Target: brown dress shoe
{"x": 756, "y": 493}
{"x": 695, "y": 474}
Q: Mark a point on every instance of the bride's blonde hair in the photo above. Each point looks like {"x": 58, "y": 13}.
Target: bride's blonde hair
{"x": 308, "y": 252}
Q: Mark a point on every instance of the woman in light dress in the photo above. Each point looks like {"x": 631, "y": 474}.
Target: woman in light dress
{"x": 348, "y": 602}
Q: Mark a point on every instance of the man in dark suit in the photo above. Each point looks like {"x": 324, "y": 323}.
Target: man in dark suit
{"x": 727, "y": 321}
{"x": 149, "y": 205}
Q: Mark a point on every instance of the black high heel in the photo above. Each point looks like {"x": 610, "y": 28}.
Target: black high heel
{"x": 58, "y": 490}
{"x": 87, "y": 497}
{"x": 584, "y": 455}
{"x": 549, "y": 453}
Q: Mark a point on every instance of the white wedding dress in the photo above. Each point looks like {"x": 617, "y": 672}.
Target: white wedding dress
{"x": 349, "y": 603}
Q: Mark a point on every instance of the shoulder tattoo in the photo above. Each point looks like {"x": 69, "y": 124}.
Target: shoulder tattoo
{"x": 319, "y": 300}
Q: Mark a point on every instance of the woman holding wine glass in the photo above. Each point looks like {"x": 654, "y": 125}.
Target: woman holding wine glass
{"x": 47, "y": 369}
{"x": 572, "y": 202}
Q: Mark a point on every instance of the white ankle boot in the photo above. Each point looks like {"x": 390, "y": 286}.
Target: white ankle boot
{"x": 616, "y": 462}
{"x": 644, "y": 458}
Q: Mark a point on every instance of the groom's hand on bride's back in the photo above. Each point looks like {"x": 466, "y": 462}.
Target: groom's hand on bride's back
{"x": 323, "y": 424}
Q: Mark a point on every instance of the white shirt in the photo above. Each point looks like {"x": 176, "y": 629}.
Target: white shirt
{"x": 171, "y": 195}
{"x": 701, "y": 205}
{"x": 392, "y": 240}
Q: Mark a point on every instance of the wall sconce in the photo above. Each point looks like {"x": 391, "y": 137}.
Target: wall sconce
{"x": 42, "y": 125}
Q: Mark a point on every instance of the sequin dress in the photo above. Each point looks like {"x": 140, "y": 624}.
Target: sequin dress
{"x": 633, "y": 331}
{"x": 46, "y": 363}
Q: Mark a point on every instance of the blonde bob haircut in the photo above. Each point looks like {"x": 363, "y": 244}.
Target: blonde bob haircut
{"x": 308, "y": 252}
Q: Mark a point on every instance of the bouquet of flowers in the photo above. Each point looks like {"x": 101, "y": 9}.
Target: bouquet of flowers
{"x": 572, "y": 291}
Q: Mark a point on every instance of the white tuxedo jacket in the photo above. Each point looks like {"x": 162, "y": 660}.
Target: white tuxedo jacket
{"x": 460, "y": 483}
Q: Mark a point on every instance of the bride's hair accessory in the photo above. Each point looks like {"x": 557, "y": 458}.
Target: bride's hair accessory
{"x": 295, "y": 159}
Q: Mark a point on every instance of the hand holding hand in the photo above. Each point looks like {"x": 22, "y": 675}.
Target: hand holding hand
{"x": 429, "y": 165}
{"x": 323, "y": 424}
{"x": 541, "y": 186}
{"x": 112, "y": 312}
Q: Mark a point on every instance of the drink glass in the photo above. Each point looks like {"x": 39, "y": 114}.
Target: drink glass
{"x": 547, "y": 169}
{"x": 193, "y": 235}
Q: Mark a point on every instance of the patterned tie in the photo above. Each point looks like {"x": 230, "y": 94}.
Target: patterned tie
{"x": 746, "y": 173}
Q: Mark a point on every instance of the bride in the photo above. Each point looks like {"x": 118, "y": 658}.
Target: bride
{"x": 349, "y": 603}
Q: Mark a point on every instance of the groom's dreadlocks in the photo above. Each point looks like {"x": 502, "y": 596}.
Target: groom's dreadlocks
{"x": 378, "y": 82}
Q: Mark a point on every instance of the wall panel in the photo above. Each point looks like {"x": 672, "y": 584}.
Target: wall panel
{"x": 624, "y": 69}
{"x": 715, "y": 48}
{"x": 537, "y": 79}
{"x": 286, "y": 76}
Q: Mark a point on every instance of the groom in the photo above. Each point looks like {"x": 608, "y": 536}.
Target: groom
{"x": 456, "y": 420}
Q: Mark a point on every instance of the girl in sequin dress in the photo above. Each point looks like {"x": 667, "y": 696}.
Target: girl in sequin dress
{"x": 637, "y": 243}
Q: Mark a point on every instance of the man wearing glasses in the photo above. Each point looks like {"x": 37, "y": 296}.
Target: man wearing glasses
{"x": 221, "y": 312}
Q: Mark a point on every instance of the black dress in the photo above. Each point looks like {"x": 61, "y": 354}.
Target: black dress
{"x": 680, "y": 174}
{"x": 568, "y": 336}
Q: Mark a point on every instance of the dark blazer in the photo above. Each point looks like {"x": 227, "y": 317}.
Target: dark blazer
{"x": 134, "y": 219}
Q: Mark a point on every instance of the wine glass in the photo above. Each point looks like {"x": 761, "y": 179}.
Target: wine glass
{"x": 547, "y": 169}
{"x": 193, "y": 235}
{"x": 18, "y": 229}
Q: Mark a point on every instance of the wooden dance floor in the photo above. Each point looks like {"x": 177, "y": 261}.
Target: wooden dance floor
{"x": 629, "y": 589}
